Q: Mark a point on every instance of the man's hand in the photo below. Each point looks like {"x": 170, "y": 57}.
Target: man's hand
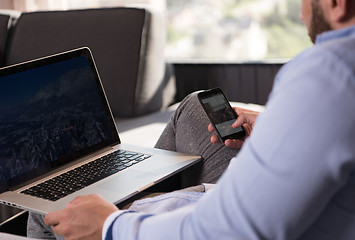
{"x": 246, "y": 118}
{"x": 83, "y": 218}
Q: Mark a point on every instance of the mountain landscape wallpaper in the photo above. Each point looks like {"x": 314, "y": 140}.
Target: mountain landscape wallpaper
{"x": 47, "y": 114}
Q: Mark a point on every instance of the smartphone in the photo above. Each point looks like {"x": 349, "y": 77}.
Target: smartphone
{"x": 220, "y": 114}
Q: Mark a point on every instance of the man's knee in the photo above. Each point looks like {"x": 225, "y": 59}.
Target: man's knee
{"x": 190, "y": 100}
{"x": 190, "y": 96}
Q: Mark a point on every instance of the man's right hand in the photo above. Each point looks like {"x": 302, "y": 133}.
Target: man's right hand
{"x": 246, "y": 118}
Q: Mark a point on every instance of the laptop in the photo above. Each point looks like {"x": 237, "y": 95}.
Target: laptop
{"x": 58, "y": 138}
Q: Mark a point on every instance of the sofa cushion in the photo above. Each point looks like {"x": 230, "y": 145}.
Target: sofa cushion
{"x": 127, "y": 44}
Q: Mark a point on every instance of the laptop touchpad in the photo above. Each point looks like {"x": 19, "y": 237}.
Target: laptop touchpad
{"x": 129, "y": 181}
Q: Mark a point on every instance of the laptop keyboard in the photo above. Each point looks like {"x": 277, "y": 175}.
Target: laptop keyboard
{"x": 80, "y": 177}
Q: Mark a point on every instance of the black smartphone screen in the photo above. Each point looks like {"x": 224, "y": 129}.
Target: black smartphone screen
{"x": 221, "y": 114}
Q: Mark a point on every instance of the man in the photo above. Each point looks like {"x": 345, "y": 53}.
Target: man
{"x": 294, "y": 176}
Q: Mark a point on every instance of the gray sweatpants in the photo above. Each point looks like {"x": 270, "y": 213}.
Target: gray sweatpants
{"x": 186, "y": 132}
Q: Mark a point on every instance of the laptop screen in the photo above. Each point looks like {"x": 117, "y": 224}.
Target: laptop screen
{"x": 53, "y": 110}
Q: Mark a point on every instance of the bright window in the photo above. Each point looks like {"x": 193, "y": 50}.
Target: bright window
{"x": 213, "y": 30}
{"x": 235, "y": 29}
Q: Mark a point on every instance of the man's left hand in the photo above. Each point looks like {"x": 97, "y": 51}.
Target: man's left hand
{"x": 83, "y": 218}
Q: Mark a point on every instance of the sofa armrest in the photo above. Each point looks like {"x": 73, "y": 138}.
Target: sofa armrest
{"x": 4, "y": 19}
{"x": 7, "y": 19}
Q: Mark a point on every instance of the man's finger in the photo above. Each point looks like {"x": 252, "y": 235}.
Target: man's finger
{"x": 57, "y": 229}
{"x": 215, "y": 139}
{"x": 52, "y": 219}
{"x": 240, "y": 121}
{"x": 233, "y": 143}
{"x": 210, "y": 128}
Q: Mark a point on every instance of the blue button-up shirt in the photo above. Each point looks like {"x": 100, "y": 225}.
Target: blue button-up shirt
{"x": 293, "y": 178}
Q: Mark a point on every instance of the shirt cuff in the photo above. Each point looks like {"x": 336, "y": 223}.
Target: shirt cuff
{"x": 110, "y": 220}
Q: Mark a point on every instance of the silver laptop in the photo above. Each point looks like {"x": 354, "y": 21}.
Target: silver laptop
{"x": 58, "y": 138}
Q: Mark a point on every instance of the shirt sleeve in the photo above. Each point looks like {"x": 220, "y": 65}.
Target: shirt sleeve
{"x": 108, "y": 225}
{"x": 286, "y": 173}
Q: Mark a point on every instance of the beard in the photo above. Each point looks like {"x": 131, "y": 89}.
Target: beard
{"x": 318, "y": 23}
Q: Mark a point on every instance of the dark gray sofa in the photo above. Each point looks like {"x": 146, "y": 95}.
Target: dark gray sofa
{"x": 128, "y": 47}
{"x": 127, "y": 44}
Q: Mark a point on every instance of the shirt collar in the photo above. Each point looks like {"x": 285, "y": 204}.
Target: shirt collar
{"x": 334, "y": 34}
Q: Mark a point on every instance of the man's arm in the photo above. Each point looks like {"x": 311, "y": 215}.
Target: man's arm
{"x": 286, "y": 173}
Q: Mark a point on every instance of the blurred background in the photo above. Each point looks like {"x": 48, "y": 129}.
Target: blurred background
{"x": 210, "y": 30}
